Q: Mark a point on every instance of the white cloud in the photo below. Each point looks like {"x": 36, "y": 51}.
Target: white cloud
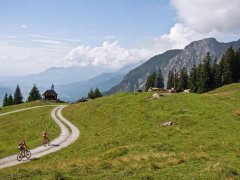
{"x": 207, "y": 16}
{"x": 178, "y": 37}
{"x": 24, "y": 26}
{"x": 198, "y": 19}
{"x": 19, "y": 60}
{"x": 108, "y": 54}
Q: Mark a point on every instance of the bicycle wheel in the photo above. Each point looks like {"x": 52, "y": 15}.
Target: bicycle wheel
{"x": 19, "y": 157}
{"x": 27, "y": 154}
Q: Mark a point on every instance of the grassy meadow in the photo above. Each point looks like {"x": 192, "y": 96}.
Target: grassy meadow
{"x": 121, "y": 137}
{"x": 27, "y": 125}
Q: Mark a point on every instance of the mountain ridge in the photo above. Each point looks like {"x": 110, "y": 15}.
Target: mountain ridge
{"x": 192, "y": 54}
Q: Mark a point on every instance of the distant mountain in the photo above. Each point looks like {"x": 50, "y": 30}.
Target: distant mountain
{"x": 136, "y": 78}
{"x": 56, "y": 75}
{"x": 192, "y": 54}
{"x": 74, "y": 91}
{"x": 196, "y": 51}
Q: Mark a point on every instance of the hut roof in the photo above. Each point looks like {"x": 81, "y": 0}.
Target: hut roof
{"x": 50, "y": 92}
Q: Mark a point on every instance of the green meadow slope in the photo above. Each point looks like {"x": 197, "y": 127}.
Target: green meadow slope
{"x": 121, "y": 137}
{"x": 27, "y": 125}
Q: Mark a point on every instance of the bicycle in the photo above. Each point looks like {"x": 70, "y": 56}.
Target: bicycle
{"x": 26, "y": 153}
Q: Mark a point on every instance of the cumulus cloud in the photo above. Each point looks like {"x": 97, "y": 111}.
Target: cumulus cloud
{"x": 198, "y": 19}
{"x": 108, "y": 54}
{"x": 206, "y": 16}
{"x": 178, "y": 37}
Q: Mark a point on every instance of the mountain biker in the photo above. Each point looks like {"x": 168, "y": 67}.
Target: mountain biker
{"x": 45, "y": 137}
{"x": 22, "y": 146}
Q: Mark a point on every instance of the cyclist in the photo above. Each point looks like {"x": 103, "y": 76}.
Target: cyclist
{"x": 45, "y": 137}
{"x": 22, "y": 146}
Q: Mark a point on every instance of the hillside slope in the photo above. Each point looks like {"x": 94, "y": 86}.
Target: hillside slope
{"x": 121, "y": 137}
{"x": 136, "y": 78}
{"x": 27, "y": 125}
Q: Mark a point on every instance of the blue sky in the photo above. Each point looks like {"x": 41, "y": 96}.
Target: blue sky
{"x": 88, "y": 21}
{"x": 36, "y": 35}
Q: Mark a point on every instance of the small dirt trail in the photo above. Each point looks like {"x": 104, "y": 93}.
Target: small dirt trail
{"x": 65, "y": 139}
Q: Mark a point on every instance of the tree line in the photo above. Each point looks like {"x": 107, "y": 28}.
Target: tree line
{"x": 93, "y": 94}
{"x": 206, "y": 76}
{"x": 17, "y": 98}
{"x": 155, "y": 80}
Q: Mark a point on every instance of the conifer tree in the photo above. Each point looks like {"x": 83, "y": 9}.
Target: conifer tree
{"x": 206, "y": 76}
{"x": 150, "y": 81}
{"x": 159, "y": 79}
{"x": 97, "y": 93}
{"x": 217, "y": 74}
{"x": 176, "y": 79}
{"x": 10, "y": 100}
{"x": 34, "y": 94}
{"x": 200, "y": 78}
{"x": 193, "y": 79}
{"x": 18, "y": 96}
{"x": 90, "y": 94}
{"x": 5, "y": 100}
{"x": 170, "y": 82}
{"x": 237, "y": 69}
{"x": 183, "y": 79}
{"x": 228, "y": 66}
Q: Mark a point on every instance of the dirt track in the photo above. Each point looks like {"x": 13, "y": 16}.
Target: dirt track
{"x": 66, "y": 138}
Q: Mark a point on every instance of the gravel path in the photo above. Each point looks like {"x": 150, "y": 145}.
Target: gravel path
{"x": 66, "y": 138}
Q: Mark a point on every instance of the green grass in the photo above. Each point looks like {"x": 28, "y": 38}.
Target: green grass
{"x": 24, "y": 105}
{"x": 27, "y": 125}
{"x": 121, "y": 138}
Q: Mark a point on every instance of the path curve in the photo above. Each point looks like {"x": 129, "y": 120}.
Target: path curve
{"x": 65, "y": 139}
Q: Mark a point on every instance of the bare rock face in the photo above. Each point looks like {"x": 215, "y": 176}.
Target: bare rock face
{"x": 196, "y": 51}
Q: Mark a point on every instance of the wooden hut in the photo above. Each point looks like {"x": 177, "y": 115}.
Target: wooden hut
{"x": 50, "y": 94}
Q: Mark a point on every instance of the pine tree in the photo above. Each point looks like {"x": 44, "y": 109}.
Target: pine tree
{"x": 10, "y": 100}
{"x": 150, "y": 81}
{"x": 216, "y": 77}
{"x": 159, "y": 80}
{"x": 237, "y": 70}
{"x": 193, "y": 85}
{"x": 170, "y": 82}
{"x": 228, "y": 66}
{"x": 200, "y": 78}
{"x": 183, "y": 79}
{"x": 91, "y": 94}
{"x": 176, "y": 79}
{"x": 18, "y": 96}
{"x": 206, "y": 76}
{"x": 34, "y": 94}
{"x": 97, "y": 93}
{"x": 5, "y": 100}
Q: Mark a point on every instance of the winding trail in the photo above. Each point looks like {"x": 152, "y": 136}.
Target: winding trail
{"x": 65, "y": 139}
